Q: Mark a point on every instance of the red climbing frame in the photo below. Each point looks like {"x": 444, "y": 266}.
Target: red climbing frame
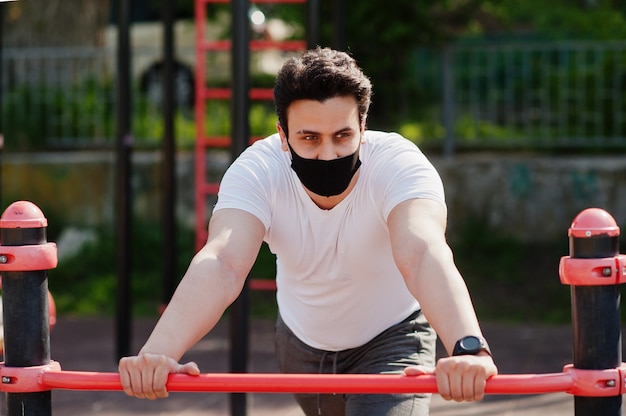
{"x": 203, "y": 189}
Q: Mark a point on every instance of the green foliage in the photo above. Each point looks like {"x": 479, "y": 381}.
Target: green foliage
{"x": 44, "y": 117}
{"x": 561, "y": 19}
{"x": 523, "y": 95}
{"x": 263, "y": 302}
{"x": 428, "y": 133}
{"x": 468, "y": 130}
{"x": 149, "y": 124}
{"x": 510, "y": 280}
{"x": 265, "y": 265}
{"x": 85, "y": 284}
{"x": 38, "y": 116}
{"x": 41, "y": 117}
{"x": 400, "y": 30}
{"x": 262, "y": 119}
{"x": 423, "y": 133}
{"x": 382, "y": 40}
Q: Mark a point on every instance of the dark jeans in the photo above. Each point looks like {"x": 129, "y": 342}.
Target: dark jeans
{"x": 409, "y": 342}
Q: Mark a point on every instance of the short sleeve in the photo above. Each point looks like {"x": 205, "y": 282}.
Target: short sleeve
{"x": 247, "y": 184}
{"x": 402, "y": 172}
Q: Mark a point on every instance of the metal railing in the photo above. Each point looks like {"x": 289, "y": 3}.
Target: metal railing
{"x": 550, "y": 95}
{"x": 527, "y": 95}
{"x": 64, "y": 98}
{"x": 57, "y": 97}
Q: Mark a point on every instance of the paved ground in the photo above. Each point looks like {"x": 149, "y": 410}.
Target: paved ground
{"x": 87, "y": 344}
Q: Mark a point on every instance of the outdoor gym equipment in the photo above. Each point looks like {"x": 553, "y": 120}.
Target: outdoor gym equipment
{"x": 596, "y": 379}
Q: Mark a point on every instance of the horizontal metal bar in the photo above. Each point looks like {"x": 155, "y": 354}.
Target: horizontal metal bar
{"x": 312, "y": 383}
{"x": 255, "y": 45}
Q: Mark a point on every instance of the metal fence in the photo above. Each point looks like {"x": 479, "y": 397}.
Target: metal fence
{"x": 56, "y": 97}
{"x": 64, "y": 98}
{"x": 527, "y": 95}
{"x": 509, "y": 95}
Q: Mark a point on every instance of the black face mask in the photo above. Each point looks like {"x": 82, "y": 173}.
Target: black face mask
{"x": 325, "y": 177}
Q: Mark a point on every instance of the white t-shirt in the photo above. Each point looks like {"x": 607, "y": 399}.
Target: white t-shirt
{"x": 338, "y": 285}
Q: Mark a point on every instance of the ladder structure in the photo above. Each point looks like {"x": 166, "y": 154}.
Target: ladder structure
{"x": 204, "y": 189}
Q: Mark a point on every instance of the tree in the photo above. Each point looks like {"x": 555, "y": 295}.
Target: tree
{"x": 382, "y": 39}
{"x": 383, "y": 36}
{"x": 563, "y": 19}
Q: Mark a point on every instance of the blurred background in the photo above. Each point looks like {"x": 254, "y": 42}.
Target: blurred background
{"x": 521, "y": 106}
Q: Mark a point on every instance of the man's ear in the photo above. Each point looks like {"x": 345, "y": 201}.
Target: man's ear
{"x": 283, "y": 137}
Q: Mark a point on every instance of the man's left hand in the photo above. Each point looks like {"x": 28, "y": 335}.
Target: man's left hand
{"x": 460, "y": 378}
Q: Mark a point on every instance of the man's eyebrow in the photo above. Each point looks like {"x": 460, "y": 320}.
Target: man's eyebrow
{"x": 306, "y": 132}
{"x": 342, "y": 130}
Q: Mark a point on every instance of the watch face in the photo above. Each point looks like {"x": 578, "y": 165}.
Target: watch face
{"x": 471, "y": 344}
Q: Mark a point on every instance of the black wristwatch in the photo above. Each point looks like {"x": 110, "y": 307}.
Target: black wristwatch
{"x": 471, "y": 345}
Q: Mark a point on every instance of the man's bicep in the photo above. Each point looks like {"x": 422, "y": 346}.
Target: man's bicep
{"x": 413, "y": 226}
{"x": 235, "y": 236}
{"x": 418, "y": 218}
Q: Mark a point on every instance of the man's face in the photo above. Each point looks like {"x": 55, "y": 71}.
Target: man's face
{"x": 323, "y": 130}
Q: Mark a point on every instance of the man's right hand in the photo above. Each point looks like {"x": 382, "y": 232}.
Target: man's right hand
{"x": 145, "y": 376}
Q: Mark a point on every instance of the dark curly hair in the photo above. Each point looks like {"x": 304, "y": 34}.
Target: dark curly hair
{"x": 319, "y": 74}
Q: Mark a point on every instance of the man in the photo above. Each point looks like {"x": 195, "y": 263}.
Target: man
{"x": 357, "y": 220}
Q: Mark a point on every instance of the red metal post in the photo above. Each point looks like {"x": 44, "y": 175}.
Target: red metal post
{"x": 25, "y": 257}
{"x": 594, "y": 246}
{"x": 200, "y": 153}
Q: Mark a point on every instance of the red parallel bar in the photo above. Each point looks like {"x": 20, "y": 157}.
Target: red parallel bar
{"x": 214, "y": 45}
{"x": 216, "y": 93}
{"x": 214, "y": 141}
{"x": 255, "y": 45}
{"x": 256, "y": 138}
{"x": 263, "y": 284}
{"x": 284, "y": 45}
{"x": 201, "y": 237}
{"x": 209, "y": 188}
{"x": 225, "y": 93}
{"x": 261, "y": 94}
{"x": 308, "y": 383}
{"x": 221, "y": 141}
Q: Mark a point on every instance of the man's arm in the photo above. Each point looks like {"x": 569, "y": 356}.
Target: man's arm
{"x": 212, "y": 282}
{"x": 417, "y": 231}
